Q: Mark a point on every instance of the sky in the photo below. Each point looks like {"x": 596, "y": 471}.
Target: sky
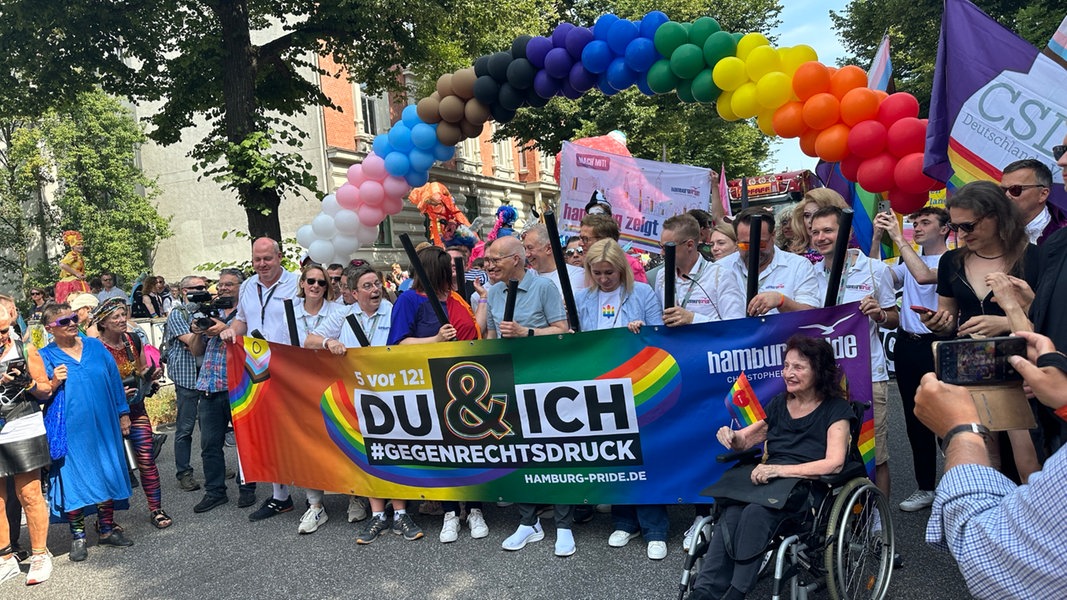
{"x": 805, "y": 22}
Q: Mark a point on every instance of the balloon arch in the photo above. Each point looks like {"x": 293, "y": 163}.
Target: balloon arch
{"x": 876, "y": 137}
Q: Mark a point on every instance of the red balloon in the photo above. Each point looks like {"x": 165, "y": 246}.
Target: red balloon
{"x": 905, "y": 203}
{"x": 822, "y": 110}
{"x": 807, "y": 142}
{"x": 876, "y": 174}
{"x": 832, "y": 143}
{"x": 909, "y": 176}
{"x": 789, "y": 120}
{"x": 867, "y": 139}
{"x": 906, "y": 136}
{"x": 850, "y": 166}
{"x": 896, "y": 107}
{"x": 811, "y": 78}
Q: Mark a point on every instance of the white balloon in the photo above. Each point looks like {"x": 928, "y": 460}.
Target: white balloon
{"x": 346, "y": 222}
{"x": 345, "y": 245}
{"x": 305, "y": 235}
{"x": 367, "y": 235}
{"x": 330, "y": 205}
{"x": 339, "y": 260}
{"x": 324, "y": 227}
{"x": 321, "y": 251}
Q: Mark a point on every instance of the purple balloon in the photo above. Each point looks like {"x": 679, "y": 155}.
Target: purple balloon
{"x": 651, "y": 23}
{"x": 544, "y": 85}
{"x": 537, "y": 49}
{"x": 620, "y": 76}
{"x": 568, "y": 91}
{"x": 581, "y": 79}
{"x": 577, "y": 39}
{"x": 602, "y": 25}
{"x": 559, "y": 34}
{"x": 558, "y": 63}
{"x": 597, "y": 56}
{"x": 620, "y": 35}
{"x": 640, "y": 54}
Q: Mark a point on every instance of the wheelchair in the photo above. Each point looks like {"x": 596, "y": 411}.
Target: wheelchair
{"x": 837, "y": 545}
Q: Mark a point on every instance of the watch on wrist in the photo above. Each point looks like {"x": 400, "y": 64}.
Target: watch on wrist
{"x": 530, "y": 332}
{"x": 978, "y": 428}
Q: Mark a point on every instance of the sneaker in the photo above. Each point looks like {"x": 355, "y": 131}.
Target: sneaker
{"x": 918, "y": 500}
{"x": 313, "y": 519}
{"x": 187, "y": 483}
{"x": 657, "y": 550}
{"x": 9, "y": 568}
{"x": 230, "y": 439}
{"x": 230, "y": 473}
{"x": 565, "y": 543}
{"x": 525, "y": 534}
{"x": 620, "y": 538}
{"x": 40, "y": 568}
{"x": 404, "y": 525}
{"x": 357, "y": 509}
{"x": 78, "y": 551}
{"x": 374, "y": 528}
{"x": 582, "y": 514}
{"x": 476, "y": 523}
{"x": 690, "y": 534}
{"x": 246, "y": 498}
{"x": 450, "y": 528}
{"x": 210, "y": 502}
{"x": 271, "y": 508}
{"x": 115, "y": 538}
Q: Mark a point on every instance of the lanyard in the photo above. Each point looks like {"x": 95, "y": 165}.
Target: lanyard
{"x": 369, "y": 329}
{"x": 263, "y": 303}
{"x": 693, "y": 282}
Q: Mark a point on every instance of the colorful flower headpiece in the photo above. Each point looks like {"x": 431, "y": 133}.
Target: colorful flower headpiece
{"x": 72, "y": 238}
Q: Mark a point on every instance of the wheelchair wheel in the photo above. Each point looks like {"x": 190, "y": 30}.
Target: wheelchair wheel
{"x": 858, "y": 557}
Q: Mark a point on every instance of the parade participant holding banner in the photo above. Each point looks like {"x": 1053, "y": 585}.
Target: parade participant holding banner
{"x": 261, "y": 307}
{"x": 705, "y": 292}
{"x": 596, "y": 227}
{"x": 539, "y": 258}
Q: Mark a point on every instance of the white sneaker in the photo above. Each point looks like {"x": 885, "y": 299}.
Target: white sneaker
{"x": 450, "y": 528}
{"x": 565, "y": 542}
{"x": 476, "y": 523}
{"x": 312, "y": 520}
{"x": 525, "y": 534}
{"x": 40, "y": 568}
{"x": 357, "y": 509}
{"x": 690, "y": 534}
{"x": 918, "y": 500}
{"x": 620, "y": 538}
{"x": 9, "y": 568}
{"x": 657, "y": 550}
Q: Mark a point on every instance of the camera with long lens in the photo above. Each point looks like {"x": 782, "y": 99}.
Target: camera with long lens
{"x": 208, "y": 309}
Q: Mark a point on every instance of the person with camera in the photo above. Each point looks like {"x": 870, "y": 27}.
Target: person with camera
{"x": 214, "y": 398}
{"x": 1006, "y": 538}
{"x": 183, "y": 351}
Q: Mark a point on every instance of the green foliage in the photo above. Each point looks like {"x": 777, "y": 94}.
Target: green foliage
{"x": 291, "y": 254}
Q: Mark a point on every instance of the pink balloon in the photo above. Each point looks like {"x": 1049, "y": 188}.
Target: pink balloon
{"x": 370, "y": 216}
{"x": 355, "y": 174}
{"x": 348, "y": 196}
{"x": 396, "y": 187}
{"x": 374, "y": 168}
{"x": 392, "y": 205}
{"x": 371, "y": 193}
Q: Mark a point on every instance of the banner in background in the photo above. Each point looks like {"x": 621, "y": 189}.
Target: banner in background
{"x": 642, "y": 193}
{"x": 596, "y": 417}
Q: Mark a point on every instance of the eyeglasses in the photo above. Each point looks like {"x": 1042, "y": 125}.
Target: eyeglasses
{"x": 492, "y": 261}
{"x": 66, "y": 321}
{"x": 744, "y": 246}
{"x": 336, "y": 279}
{"x": 1017, "y": 190}
{"x": 1058, "y": 152}
{"x": 196, "y": 288}
{"x": 663, "y": 245}
{"x": 573, "y": 252}
{"x": 965, "y": 227}
{"x": 318, "y": 282}
{"x": 370, "y": 286}
{"x": 35, "y": 293}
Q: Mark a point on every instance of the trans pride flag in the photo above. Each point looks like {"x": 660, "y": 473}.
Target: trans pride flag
{"x": 742, "y": 403}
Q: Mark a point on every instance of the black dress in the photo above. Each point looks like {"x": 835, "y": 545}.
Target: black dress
{"x": 952, "y": 283}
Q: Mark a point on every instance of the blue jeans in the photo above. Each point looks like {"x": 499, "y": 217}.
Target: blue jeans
{"x": 187, "y": 401}
{"x": 649, "y": 519}
{"x": 214, "y": 415}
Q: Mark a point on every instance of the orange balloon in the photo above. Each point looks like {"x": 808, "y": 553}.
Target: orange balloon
{"x": 859, "y": 104}
{"x": 789, "y": 120}
{"x": 811, "y": 78}
{"x": 847, "y": 79}
{"x": 882, "y": 94}
{"x": 832, "y": 143}
{"x": 807, "y": 142}
{"x": 821, "y": 111}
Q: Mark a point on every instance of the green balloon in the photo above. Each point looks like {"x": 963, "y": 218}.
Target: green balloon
{"x": 669, "y": 36}
{"x": 704, "y": 88}
{"x": 687, "y": 61}
{"x": 718, "y": 46}
{"x": 701, "y": 29}
{"x": 685, "y": 90}
{"x": 737, "y": 37}
{"x": 660, "y": 77}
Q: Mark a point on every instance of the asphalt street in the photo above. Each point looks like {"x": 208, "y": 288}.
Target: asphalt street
{"x": 221, "y": 555}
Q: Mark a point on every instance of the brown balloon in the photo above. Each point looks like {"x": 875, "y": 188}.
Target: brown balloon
{"x": 428, "y": 109}
{"x": 451, "y": 109}
{"x": 470, "y": 130}
{"x": 444, "y": 85}
{"x": 475, "y": 112}
{"x": 449, "y": 134}
{"x": 463, "y": 83}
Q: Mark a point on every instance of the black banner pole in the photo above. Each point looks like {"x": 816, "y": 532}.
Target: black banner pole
{"x": 561, "y": 269}
{"x": 424, "y": 279}
{"x": 669, "y": 275}
{"x": 840, "y": 253}
{"x": 290, "y": 319}
{"x": 754, "y": 235}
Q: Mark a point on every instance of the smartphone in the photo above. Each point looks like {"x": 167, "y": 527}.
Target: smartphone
{"x": 978, "y": 362}
{"x": 922, "y": 310}
{"x": 885, "y": 207}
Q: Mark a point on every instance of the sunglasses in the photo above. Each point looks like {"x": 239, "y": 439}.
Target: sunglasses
{"x": 966, "y": 227}
{"x": 318, "y": 282}
{"x": 35, "y": 293}
{"x": 66, "y": 321}
{"x": 336, "y": 279}
{"x": 1017, "y": 190}
{"x": 1058, "y": 152}
{"x": 196, "y": 288}
{"x": 573, "y": 252}
{"x": 744, "y": 246}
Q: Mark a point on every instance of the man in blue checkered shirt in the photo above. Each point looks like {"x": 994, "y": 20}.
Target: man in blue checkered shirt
{"x": 1009, "y": 540}
{"x": 184, "y": 350}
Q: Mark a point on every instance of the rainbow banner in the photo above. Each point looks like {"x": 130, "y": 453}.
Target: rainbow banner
{"x": 742, "y": 403}
{"x": 597, "y": 417}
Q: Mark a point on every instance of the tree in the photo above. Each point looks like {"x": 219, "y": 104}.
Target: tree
{"x": 915, "y": 25}
{"x": 201, "y": 60}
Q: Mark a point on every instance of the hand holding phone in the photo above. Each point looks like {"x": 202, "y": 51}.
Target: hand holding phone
{"x": 922, "y": 310}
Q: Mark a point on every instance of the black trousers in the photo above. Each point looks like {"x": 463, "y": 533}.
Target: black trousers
{"x": 914, "y": 358}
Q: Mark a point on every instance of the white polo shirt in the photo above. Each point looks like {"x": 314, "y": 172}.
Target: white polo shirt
{"x": 916, "y": 294}
{"x": 789, "y": 274}
{"x": 726, "y": 300}
{"x": 263, "y": 308}
{"x": 375, "y": 327}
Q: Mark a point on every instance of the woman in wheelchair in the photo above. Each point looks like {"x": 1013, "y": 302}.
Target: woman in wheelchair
{"x": 807, "y": 434}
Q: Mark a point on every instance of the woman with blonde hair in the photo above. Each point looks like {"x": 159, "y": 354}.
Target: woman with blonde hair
{"x": 723, "y": 241}
{"x": 801, "y": 222}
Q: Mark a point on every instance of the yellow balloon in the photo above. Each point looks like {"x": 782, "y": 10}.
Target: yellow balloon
{"x": 795, "y": 56}
{"x": 748, "y": 42}
{"x": 765, "y": 121}
{"x": 722, "y": 106}
{"x": 729, "y": 73}
{"x": 744, "y": 103}
{"x": 762, "y": 60}
{"x": 774, "y": 89}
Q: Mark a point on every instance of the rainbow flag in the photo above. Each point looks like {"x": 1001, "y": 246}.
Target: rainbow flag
{"x": 742, "y": 403}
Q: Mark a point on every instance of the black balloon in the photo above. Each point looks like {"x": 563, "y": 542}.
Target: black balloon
{"x": 534, "y": 100}
{"x": 500, "y": 114}
{"x": 521, "y": 73}
{"x": 498, "y": 66}
{"x": 510, "y": 97}
{"x": 481, "y": 65}
{"x": 486, "y": 90}
{"x": 518, "y": 47}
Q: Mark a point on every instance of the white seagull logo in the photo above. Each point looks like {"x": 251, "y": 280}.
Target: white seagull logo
{"x": 823, "y": 329}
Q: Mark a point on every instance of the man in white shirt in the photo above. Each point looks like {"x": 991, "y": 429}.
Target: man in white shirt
{"x": 109, "y": 291}
{"x": 1028, "y": 184}
{"x": 703, "y": 291}
{"x": 917, "y": 275}
{"x": 539, "y": 257}
{"x": 261, "y": 306}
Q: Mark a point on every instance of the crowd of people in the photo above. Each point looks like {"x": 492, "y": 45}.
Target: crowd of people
{"x": 76, "y": 437}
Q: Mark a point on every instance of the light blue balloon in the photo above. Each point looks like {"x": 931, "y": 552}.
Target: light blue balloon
{"x": 397, "y": 163}
{"x": 400, "y": 138}
{"x": 444, "y": 153}
{"x": 381, "y": 145}
{"x": 424, "y": 136}
{"x": 421, "y": 160}
{"x": 417, "y": 178}
{"x": 410, "y": 116}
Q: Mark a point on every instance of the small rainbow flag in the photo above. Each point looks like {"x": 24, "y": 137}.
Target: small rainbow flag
{"x": 742, "y": 403}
